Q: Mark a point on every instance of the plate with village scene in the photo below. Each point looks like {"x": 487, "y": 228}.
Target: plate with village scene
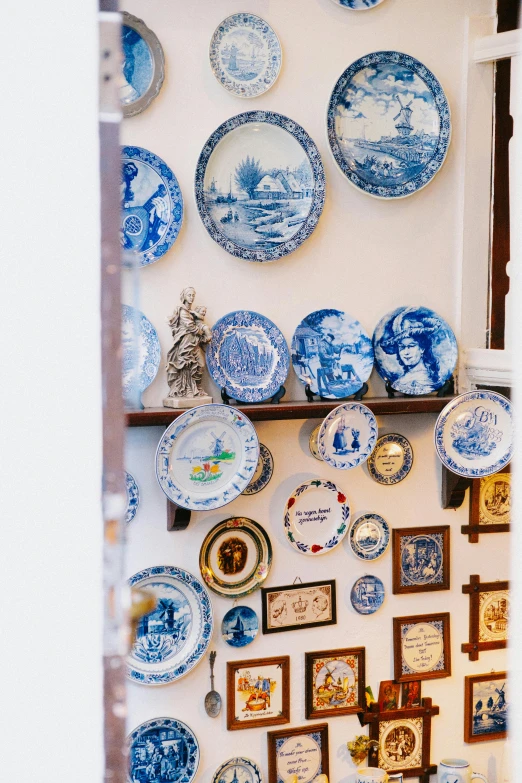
{"x": 474, "y": 434}
{"x": 238, "y": 770}
{"x": 332, "y": 354}
{"x": 161, "y": 750}
{"x": 143, "y": 66}
{"x": 316, "y": 517}
{"x": 245, "y": 55}
{"x": 369, "y": 536}
{"x": 173, "y": 638}
{"x": 358, "y": 5}
{"x": 248, "y": 356}
{"x": 207, "y": 457}
{"x": 141, "y": 354}
{"x": 240, "y": 626}
{"x": 388, "y": 124}
{"x": 260, "y": 185}
{"x": 367, "y": 594}
{"x": 133, "y": 497}
{"x": 347, "y": 436}
{"x": 235, "y": 557}
{"x": 391, "y": 460}
{"x": 152, "y": 207}
{"x": 262, "y": 473}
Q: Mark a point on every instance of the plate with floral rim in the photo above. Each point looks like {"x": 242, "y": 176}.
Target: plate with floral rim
{"x": 263, "y": 472}
{"x": 238, "y": 770}
{"x": 391, "y": 460}
{"x": 165, "y": 744}
{"x": 316, "y": 517}
{"x": 133, "y": 497}
{"x": 347, "y": 436}
{"x": 369, "y": 536}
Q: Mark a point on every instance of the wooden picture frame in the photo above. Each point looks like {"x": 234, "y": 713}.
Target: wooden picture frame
{"x": 389, "y": 695}
{"x": 485, "y": 707}
{"x": 420, "y": 559}
{"x": 488, "y": 616}
{"x": 411, "y": 694}
{"x": 421, "y": 647}
{"x": 312, "y": 739}
{"x": 335, "y": 682}
{"x": 301, "y": 605}
{"x": 258, "y": 692}
{"x": 489, "y": 505}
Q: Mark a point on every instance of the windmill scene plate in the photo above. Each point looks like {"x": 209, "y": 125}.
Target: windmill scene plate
{"x": 369, "y": 536}
{"x": 316, "y": 517}
{"x": 238, "y": 770}
{"x": 347, "y": 436}
{"x": 163, "y": 749}
{"x": 141, "y": 354}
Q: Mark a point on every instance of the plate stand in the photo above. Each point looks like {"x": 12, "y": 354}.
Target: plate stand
{"x": 310, "y": 396}
{"x": 178, "y": 518}
{"x": 275, "y": 399}
{"x": 445, "y": 391}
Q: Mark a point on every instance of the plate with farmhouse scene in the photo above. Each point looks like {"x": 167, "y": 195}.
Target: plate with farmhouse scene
{"x": 369, "y": 536}
{"x": 248, "y": 356}
{"x": 388, "y": 124}
{"x": 245, "y": 55}
{"x": 263, "y": 472}
{"x": 173, "y": 638}
{"x": 143, "y": 66}
{"x": 207, "y": 457}
{"x": 358, "y": 5}
{"x": 240, "y": 626}
{"x": 141, "y": 354}
{"x": 133, "y": 497}
{"x": 347, "y": 436}
{"x": 162, "y": 749}
{"x": 332, "y": 353}
{"x": 316, "y": 517}
{"x": 260, "y": 185}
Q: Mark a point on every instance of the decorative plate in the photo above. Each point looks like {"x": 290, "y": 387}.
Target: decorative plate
{"x": 141, "y": 354}
{"x": 367, "y": 594}
{"x": 262, "y": 473}
{"x": 238, "y": 770}
{"x": 143, "y": 67}
{"x": 173, "y": 638}
{"x": 248, "y": 356}
{"x": 312, "y": 443}
{"x": 332, "y": 353}
{"x": 162, "y": 749}
{"x": 133, "y": 497}
{"x": 152, "y": 206}
{"x": 358, "y": 5}
{"x": 240, "y": 626}
{"x": 207, "y": 457}
{"x": 392, "y": 459}
{"x": 260, "y": 185}
{"x": 316, "y": 517}
{"x": 369, "y": 536}
{"x": 415, "y": 350}
{"x": 245, "y": 55}
{"x": 474, "y": 434}
{"x": 347, "y": 435}
{"x": 388, "y": 124}
{"x": 235, "y": 557}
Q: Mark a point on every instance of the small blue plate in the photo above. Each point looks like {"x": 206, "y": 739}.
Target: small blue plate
{"x": 367, "y": 594}
{"x": 369, "y": 536}
{"x": 162, "y": 749}
{"x": 358, "y": 5}
{"x": 263, "y": 472}
{"x": 240, "y": 626}
{"x": 141, "y": 354}
{"x": 347, "y": 436}
{"x": 391, "y": 460}
{"x": 238, "y": 770}
{"x": 143, "y": 66}
{"x": 133, "y": 497}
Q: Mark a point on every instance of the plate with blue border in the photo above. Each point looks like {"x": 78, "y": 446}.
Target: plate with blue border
{"x": 133, "y": 497}
{"x": 391, "y": 460}
{"x": 238, "y": 770}
{"x": 141, "y": 354}
{"x": 474, "y": 434}
{"x": 389, "y": 124}
{"x": 143, "y": 65}
{"x": 316, "y": 517}
{"x": 240, "y": 626}
{"x": 152, "y": 207}
{"x": 358, "y": 5}
{"x": 248, "y": 356}
{"x": 263, "y": 472}
{"x": 245, "y": 55}
{"x": 347, "y": 436}
{"x": 173, "y": 638}
{"x": 260, "y": 185}
{"x": 369, "y": 536}
{"x": 367, "y": 594}
{"x": 162, "y": 749}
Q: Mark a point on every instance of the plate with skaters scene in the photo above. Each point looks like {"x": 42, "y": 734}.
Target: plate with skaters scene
{"x": 316, "y": 517}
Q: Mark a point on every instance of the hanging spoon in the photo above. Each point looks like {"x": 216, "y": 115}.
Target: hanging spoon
{"x": 212, "y": 699}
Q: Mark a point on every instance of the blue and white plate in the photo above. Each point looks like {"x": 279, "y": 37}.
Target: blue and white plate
{"x": 240, "y": 626}
{"x": 207, "y": 457}
{"x": 367, "y": 594}
{"x": 133, "y": 497}
{"x": 143, "y": 65}
{"x": 388, "y": 124}
{"x": 245, "y": 55}
{"x": 163, "y": 749}
{"x": 152, "y": 206}
{"x": 262, "y": 473}
{"x": 316, "y": 517}
{"x": 260, "y": 185}
{"x": 347, "y": 436}
{"x": 474, "y": 434}
{"x": 391, "y": 460}
{"x": 369, "y": 536}
{"x": 415, "y": 350}
{"x": 248, "y": 356}
{"x": 332, "y": 353}
{"x": 141, "y": 354}
{"x": 358, "y": 5}
{"x": 173, "y": 638}
{"x": 238, "y": 770}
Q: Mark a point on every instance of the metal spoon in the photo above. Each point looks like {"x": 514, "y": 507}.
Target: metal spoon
{"x": 212, "y": 699}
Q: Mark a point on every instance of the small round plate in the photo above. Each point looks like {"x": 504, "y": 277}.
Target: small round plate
{"x": 141, "y": 354}
{"x": 245, "y": 55}
{"x": 358, "y": 5}
{"x": 316, "y": 517}
{"x": 240, "y": 626}
{"x": 495, "y": 500}
{"x": 391, "y": 460}
{"x": 238, "y": 770}
{"x": 133, "y": 497}
{"x": 369, "y": 536}
{"x": 313, "y": 445}
{"x": 347, "y": 436}
{"x": 162, "y": 749}
{"x": 235, "y": 557}
{"x": 367, "y": 594}
{"x": 143, "y": 66}
{"x": 263, "y": 472}
{"x": 474, "y": 434}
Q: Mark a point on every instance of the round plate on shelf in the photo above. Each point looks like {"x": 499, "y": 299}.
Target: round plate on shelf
{"x": 316, "y": 517}
{"x": 143, "y": 67}
{"x": 391, "y": 460}
{"x": 163, "y": 743}
{"x": 367, "y": 594}
{"x": 141, "y": 354}
{"x": 313, "y": 445}
{"x": 347, "y": 436}
{"x": 358, "y": 5}
{"x": 369, "y": 536}
{"x": 263, "y": 472}
{"x": 133, "y": 497}
{"x": 239, "y": 626}
{"x": 238, "y": 770}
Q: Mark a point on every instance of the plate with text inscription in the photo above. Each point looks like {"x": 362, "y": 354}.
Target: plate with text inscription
{"x": 316, "y": 517}
{"x": 391, "y": 460}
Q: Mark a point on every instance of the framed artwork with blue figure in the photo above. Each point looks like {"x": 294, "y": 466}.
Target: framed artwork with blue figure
{"x": 421, "y": 559}
{"x": 162, "y": 750}
{"x": 486, "y": 705}
{"x": 143, "y": 65}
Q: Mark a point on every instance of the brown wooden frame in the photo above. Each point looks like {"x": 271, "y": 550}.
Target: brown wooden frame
{"x": 417, "y": 619}
{"x": 397, "y": 535}
{"x": 474, "y": 647}
{"x": 310, "y": 657}
{"x": 405, "y": 687}
{"x": 475, "y": 528}
{"x": 469, "y": 681}
{"x": 272, "y": 736}
{"x": 297, "y": 587}
{"x": 232, "y": 668}
{"x": 397, "y": 689}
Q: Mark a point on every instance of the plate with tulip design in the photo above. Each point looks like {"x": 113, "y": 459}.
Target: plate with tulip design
{"x": 316, "y": 517}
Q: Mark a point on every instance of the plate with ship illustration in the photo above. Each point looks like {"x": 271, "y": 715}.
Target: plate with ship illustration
{"x": 316, "y": 517}
{"x": 240, "y": 626}
{"x": 389, "y": 124}
{"x": 369, "y": 536}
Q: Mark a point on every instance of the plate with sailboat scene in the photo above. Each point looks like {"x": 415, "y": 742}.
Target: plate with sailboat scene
{"x": 173, "y": 638}
{"x": 162, "y": 749}
{"x": 347, "y": 436}
{"x": 141, "y": 354}
{"x": 239, "y": 626}
{"x": 238, "y": 770}
{"x": 369, "y": 536}
{"x": 260, "y": 185}
{"x": 207, "y": 457}
{"x": 389, "y": 124}
{"x": 316, "y": 517}
{"x": 263, "y": 472}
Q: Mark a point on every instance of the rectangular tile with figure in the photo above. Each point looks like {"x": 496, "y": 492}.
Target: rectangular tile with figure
{"x": 334, "y": 682}
{"x": 485, "y": 707}
{"x": 258, "y": 692}
{"x": 421, "y": 559}
{"x": 488, "y": 616}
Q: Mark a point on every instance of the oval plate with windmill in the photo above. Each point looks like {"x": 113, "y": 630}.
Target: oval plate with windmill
{"x": 316, "y": 517}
